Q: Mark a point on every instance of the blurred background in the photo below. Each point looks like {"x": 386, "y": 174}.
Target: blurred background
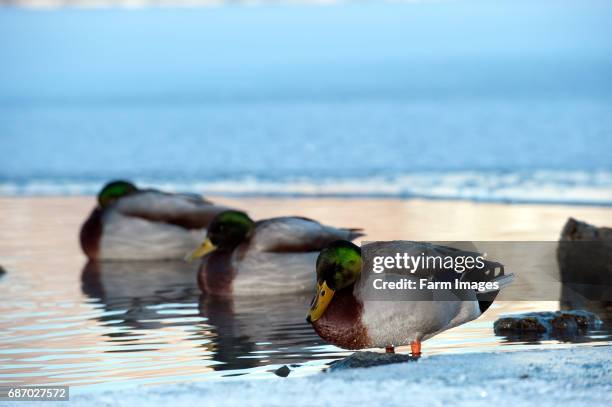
{"x": 496, "y": 101}
{"x": 502, "y": 101}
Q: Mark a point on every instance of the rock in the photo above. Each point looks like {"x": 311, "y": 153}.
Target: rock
{"x": 369, "y": 359}
{"x": 584, "y": 255}
{"x": 282, "y": 371}
{"x": 547, "y": 325}
{"x": 518, "y": 325}
{"x": 575, "y": 230}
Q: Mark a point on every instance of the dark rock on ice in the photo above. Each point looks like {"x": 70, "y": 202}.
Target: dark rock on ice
{"x": 563, "y": 325}
{"x": 369, "y": 359}
{"x": 282, "y": 371}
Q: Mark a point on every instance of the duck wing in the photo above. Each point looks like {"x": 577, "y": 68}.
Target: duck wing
{"x": 297, "y": 234}
{"x": 185, "y": 210}
{"x": 428, "y": 252}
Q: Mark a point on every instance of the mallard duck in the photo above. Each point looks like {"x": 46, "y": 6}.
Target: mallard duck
{"x": 144, "y": 224}
{"x": 267, "y": 257}
{"x": 341, "y": 314}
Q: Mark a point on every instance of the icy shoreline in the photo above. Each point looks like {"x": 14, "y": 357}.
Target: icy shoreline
{"x": 577, "y": 376}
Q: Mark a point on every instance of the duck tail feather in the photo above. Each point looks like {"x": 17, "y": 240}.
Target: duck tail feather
{"x": 354, "y": 233}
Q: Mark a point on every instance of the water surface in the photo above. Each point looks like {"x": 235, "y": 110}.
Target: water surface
{"x": 102, "y": 326}
{"x": 498, "y": 101}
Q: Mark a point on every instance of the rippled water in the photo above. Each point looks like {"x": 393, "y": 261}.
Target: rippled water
{"x": 146, "y": 322}
{"x": 64, "y": 321}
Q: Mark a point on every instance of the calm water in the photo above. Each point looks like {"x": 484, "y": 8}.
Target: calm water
{"x": 509, "y": 101}
{"x": 100, "y": 326}
{"x": 144, "y": 323}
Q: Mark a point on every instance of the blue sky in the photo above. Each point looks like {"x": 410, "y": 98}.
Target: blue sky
{"x": 269, "y": 51}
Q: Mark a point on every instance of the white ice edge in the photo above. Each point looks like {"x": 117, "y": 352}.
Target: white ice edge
{"x": 580, "y": 376}
{"x": 539, "y": 186}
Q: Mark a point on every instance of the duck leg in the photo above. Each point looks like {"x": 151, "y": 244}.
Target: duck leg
{"x": 415, "y": 347}
{"x": 389, "y": 349}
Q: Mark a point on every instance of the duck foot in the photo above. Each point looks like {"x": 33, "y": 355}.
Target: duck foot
{"x": 389, "y": 349}
{"x": 415, "y": 348}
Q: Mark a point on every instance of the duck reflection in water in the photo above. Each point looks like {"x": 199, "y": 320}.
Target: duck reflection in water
{"x": 135, "y": 286}
{"x": 240, "y": 332}
{"x": 254, "y": 331}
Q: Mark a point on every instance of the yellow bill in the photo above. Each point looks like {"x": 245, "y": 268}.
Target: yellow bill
{"x": 320, "y": 302}
{"x": 201, "y": 251}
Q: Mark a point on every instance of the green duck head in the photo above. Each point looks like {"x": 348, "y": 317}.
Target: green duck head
{"x": 226, "y": 231}
{"x": 115, "y": 190}
{"x": 338, "y": 267}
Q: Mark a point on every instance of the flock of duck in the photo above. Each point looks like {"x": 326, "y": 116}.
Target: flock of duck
{"x": 268, "y": 257}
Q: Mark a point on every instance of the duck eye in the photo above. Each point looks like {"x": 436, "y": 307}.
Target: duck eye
{"x": 322, "y": 293}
